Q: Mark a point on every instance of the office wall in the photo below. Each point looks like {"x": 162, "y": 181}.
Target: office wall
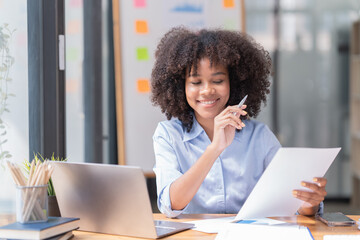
{"x": 142, "y": 25}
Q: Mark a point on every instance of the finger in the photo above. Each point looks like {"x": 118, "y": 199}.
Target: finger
{"x": 315, "y": 187}
{"x": 225, "y": 112}
{"x": 228, "y": 121}
{"x": 320, "y": 181}
{"x": 237, "y": 120}
{"x": 234, "y": 110}
{"x": 308, "y": 196}
{"x": 308, "y": 201}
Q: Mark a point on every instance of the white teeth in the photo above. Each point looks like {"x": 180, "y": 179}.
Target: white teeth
{"x": 208, "y": 102}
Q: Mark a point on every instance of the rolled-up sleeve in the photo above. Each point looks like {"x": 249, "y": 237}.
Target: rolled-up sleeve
{"x": 167, "y": 170}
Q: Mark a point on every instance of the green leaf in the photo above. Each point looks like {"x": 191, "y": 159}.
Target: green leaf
{"x": 2, "y": 155}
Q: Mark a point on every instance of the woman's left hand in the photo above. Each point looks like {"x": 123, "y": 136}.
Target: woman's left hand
{"x": 313, "y": 197}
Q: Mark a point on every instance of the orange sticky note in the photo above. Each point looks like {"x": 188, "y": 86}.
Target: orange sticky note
{"x": 143, "y": 85}
{"x": 141, "y": 26}
{"x": 73, "y": 27}
{"x": 72, "y": 86}
{"x": 228, "y": 3}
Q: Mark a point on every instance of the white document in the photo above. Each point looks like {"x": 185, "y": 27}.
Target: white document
{"x": 272, "y": 195}
{"x": 215, "y": 225}
{"x": 236, "y": 231}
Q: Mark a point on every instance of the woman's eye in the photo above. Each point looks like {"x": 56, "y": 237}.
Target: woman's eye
{"x": 218, "y": 81}
{"x": 195, "y": 83}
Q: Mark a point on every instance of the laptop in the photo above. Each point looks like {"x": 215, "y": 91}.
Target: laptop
{"x": 109, "y": 199}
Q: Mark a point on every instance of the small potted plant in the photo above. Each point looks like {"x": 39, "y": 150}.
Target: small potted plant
{"x": 53, "y": 205}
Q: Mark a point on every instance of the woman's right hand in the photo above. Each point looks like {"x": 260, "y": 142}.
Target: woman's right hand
{"x": 225, "y": 125}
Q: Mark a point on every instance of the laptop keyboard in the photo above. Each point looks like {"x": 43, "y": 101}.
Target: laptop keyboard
{"x": 163, "y": 228}
{"x": 166, "y": 227}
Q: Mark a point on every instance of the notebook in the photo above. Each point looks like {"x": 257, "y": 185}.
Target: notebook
{"x": 260, "y": 232}
{"x": 53, "y": 227}
{"x": 110, "y": 199}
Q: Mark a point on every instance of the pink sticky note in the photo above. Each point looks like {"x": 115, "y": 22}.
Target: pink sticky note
{"x": 76, "y": 3}
{"x": 139, "y": 3}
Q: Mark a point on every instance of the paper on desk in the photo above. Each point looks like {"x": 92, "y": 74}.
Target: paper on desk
{"x": 260, "y": 232}
{"x": 272, "y": 195}
{"x": 215, "y": 225}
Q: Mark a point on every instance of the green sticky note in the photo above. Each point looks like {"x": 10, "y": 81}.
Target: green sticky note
{"x": 142, "y": 53}
{"x": 229, "y": 24}
{"x": 72, "y": 54}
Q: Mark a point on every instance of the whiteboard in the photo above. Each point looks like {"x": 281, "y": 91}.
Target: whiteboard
{"x": 141, "y": 24}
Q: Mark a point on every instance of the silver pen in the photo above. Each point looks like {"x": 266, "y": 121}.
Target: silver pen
{"x": 241, "y": 103}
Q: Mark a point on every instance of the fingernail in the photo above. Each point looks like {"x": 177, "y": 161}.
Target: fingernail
{"x": 245, "y": 112}
{"x": 303, "y": 184}
{"x": 294, "y": 192}
{"x": 315, "y": 179}
{"x": 243, "y": 124}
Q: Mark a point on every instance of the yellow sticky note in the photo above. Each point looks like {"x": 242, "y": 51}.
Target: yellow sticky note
{"x": 228, "y": 3}
{"x": 142, "y": 53}
{"x": 143, "y": 85}
{"x": 141, "y": 26}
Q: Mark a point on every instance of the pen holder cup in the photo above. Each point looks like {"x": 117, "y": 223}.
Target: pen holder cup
{"x": 31, "y": 204}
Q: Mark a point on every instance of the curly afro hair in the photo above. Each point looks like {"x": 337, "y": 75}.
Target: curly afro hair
{"x": 248, "y": 65}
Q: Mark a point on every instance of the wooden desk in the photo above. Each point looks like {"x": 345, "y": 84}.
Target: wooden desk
{"x": 317, "y": 228}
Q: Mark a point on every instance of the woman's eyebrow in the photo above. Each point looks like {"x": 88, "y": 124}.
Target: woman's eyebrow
{"x": 194, "y": 75}
{"x": 213, "y": 74}
{"x": 218, "y": 73}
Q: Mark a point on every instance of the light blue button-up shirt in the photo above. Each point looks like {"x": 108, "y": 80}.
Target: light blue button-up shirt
{"x": 233, "y": 175}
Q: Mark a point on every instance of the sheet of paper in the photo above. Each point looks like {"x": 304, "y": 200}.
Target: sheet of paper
{"x": 260, "y": 232}
{"x": 215, "y": 225}
{"x": 272, "y": 195}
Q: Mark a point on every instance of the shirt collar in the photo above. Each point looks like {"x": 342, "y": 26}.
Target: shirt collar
{"x": 195, "y": 131}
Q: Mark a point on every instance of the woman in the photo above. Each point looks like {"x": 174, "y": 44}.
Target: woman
{"x": 210, "y": 154}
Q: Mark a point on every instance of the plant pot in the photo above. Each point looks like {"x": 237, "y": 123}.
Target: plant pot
{"x": 54, "y": 210}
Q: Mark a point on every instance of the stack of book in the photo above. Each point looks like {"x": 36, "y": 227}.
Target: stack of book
{"x": 56, "y": 228}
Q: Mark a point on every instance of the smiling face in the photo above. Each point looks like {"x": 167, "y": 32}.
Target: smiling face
{"x": 207, "y": 91}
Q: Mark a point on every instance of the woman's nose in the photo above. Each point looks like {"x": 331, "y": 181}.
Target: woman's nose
{"x": 208, "y": 89}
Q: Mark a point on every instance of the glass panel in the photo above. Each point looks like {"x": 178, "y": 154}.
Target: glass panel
{"x": 14, "y": 127}
{"x": 313, "y": 82}
{"x": 260, "y": 25}
{"x": 259, "y": 4}
{"x": 294, "y": 4}
{"x": 75, "y": 138}
{"x": 296, "y": 32}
